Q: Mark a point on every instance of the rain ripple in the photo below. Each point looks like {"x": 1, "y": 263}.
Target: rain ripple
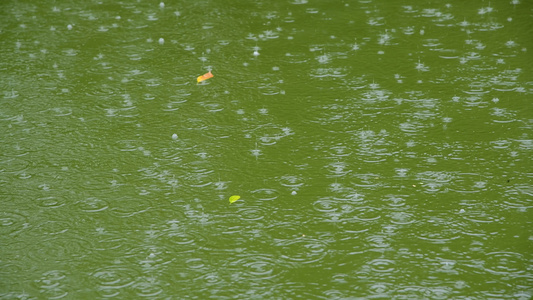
{"x": 468, "y": 183}
{"x": 147, "y": 287}
{"x": 519, "y": 196}
{"x": 265, "y": 194}
{"x": 252, "y": 213}
{"x": 293, "y": 182}
{"x": 381, "y": 266}
{"x": 14, "y": 165}
{"x": 402, "y": 218}
{"x": 111, "y": 279}
{"x": 185, "y": 241}
{"x": 437, "y": 231}
{"x": 435, "y": 181}
{"x": 52, "y": 284}
{"x": 253, "y": 266}
{"x": 51, "y": 202}
{"x": 67, "y": 245}
{"x": 92, "y": 204}
{"x": 337, "y": 206}
{"x": 368, "y": 213}
{"x": 12, "y": 223}
{"x": 303, "y": 250}
{"x": 505, "y": 263}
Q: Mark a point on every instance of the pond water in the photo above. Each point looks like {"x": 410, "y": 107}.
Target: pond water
{"x": 381, "y": 149}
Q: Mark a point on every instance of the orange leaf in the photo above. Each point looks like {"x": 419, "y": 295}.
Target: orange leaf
{"x": 204, "y": 77}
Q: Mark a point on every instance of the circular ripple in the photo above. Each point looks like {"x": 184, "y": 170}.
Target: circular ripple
{"x": 127, "y": 145}
{"x": 287, "y": 228}
{"x": 338, "y": 168}
{"x": 12, "y": 270}
{"x": 323, "y": 205}
{"x": 291, "y": 181}
{"x": 265, "y": 194}
{"x": 505, "y": 263}
{"x": 378, "y": 241}
{"x": 401, "y": 218}
{"x": 337, "y": 206}
{"x": 92, "y": 204}
{"x": 437, "y": 231}
{"x": 211, "y": 278}
{"x": 303, "y": 250}
{"x": 339, "y": 151}
{"x": 382, "y": 265}
{"x": 14, "y": 165}
{"x": 395, "y": 200}
{"x": 51, "y": 284}
{"x": 183, "y": 275}
{"x": 481, "y": 217}
{"x": 61, "y": 111}
{"x": 117, "y": 245}
{"x": 467, "y": 183}
{"x": 185, "y": 241}
{"x": 252, "y": 213}
{"x": 111, "y": 279}
{"x": 50, "y": 202}
{"x": 52, "y": 227}
{"x": 198, "y": 177}
{"x": 126, "y": 207}
{"x": 58, "y": 246}
{"x": 368, "y": 213}
{"x": 252, "y": 266}
{"x": 270, "y": 134}
{"x": 519, "y": 196}
{"x": 12, "y": 222}
{"x": 195, "y": 263}
{"x": 147, "y": 287}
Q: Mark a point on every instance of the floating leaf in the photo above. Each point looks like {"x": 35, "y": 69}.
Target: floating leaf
{"x": 234, "y": 198}
{"x": 204, "y": 77}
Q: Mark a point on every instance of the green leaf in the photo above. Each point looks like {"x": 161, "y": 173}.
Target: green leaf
{"x": 234, "y": 198}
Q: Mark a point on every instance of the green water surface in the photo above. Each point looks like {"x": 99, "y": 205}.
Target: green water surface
{"x": 382, "y": 149}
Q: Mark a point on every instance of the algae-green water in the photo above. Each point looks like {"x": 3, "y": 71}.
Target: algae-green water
{"x": 381, "y": 149}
